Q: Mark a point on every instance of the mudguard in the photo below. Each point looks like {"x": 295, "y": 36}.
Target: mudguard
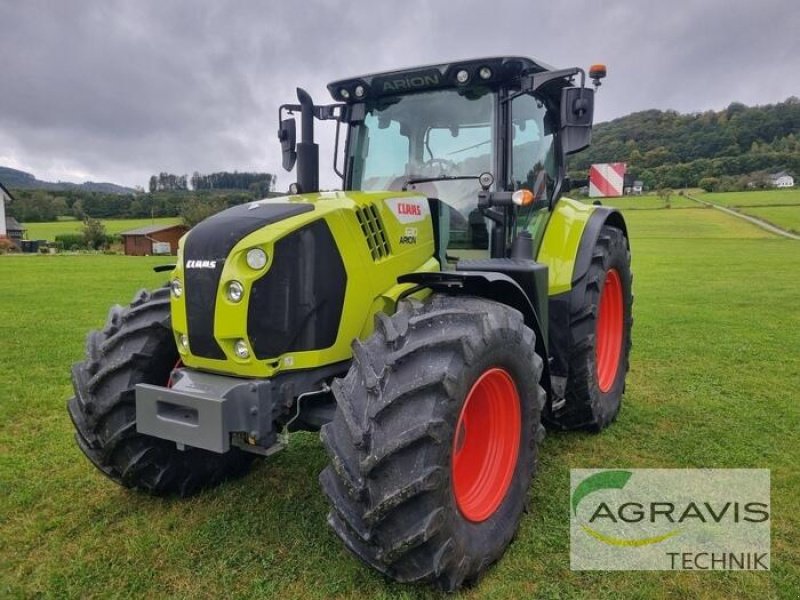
{"x": 569, "y": 238}
{"x": 492, "y": 286}
{"x": 601, "y": 215}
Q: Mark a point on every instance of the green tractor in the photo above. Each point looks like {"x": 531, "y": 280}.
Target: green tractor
{"x": 428, "y": 319}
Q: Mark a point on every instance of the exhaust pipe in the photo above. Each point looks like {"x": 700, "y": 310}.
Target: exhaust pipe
{"x": 307, "y": 150}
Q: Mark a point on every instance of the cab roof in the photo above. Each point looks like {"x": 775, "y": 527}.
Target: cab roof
{"x": 482, "y": 71}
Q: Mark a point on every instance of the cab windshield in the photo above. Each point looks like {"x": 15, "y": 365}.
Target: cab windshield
{"x": 448, "y": 138}
{"x": 436, "y": 135}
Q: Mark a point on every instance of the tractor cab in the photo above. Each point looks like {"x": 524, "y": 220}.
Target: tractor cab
{"x": 485, "y": 140}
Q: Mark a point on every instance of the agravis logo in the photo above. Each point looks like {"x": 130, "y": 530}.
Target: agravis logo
{"x": 670, "y": 519}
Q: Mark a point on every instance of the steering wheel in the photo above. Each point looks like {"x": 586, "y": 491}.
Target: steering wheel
{"x": 436, "y": 167}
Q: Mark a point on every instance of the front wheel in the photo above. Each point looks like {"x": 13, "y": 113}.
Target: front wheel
{"x": 136, "y": 346}
{"x": 434, "y": 442}
{"x": 600, "y": 337}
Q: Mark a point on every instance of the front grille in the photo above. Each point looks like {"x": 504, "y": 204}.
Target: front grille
{"x": 297, "y": 304}
{"x": 212, "y": 241}
{"x": 374, "y": 233}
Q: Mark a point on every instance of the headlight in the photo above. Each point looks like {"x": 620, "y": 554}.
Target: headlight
{"x": 256, "y": 258}
{"x": 240, "y": 349}
{"x": 235, "y": 291}
{"x": 177, "y": 288}
{"x": 183, "y": 343}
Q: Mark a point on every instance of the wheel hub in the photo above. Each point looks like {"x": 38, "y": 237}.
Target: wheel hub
{"x": 486, "y": 445}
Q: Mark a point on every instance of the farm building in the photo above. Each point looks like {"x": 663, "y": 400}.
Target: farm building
{"x": 5, "y": 198}
{"x": 154, "y": 239}
{"x": 782, "y": 180}
{"x": 606, "y": 180}
{"x": 14, "y": 231}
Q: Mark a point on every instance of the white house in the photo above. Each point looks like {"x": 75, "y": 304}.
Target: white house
{"x": 5, "y": 198}
{"x": 782, "y": 180}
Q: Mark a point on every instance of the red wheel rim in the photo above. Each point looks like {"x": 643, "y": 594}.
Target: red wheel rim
{"x": 608, "y": 336}
{"x": 486, "y": 445}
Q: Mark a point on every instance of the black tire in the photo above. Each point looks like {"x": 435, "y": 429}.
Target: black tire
{"x": 137, "y": 346}
{"x": 587, "y": 406}
{"x": 391, "y": 441}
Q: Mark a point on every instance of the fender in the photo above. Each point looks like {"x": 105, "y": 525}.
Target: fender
{"x": 569, "y": 239}
{"x": 602, "y": 215}
{"x": 492, "y": 286}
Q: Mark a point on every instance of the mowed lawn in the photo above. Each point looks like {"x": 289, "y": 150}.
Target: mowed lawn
{"x": 776, "y": 197}
{"x": 646, "y": 201}
{"x": 714, "y": 379}
{"x": 49, "y": 230}
{"x": 779, "y": 207}
{"x": 786, "y": 217}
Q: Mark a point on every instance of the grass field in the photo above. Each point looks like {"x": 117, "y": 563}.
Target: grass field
{"x": 786, "y": 217}
{"x": 778, "y": 207}
{"x": 714, "y": 378}
{"x": 789, "y": 197}
{"x": 645, "y": 202}
{"x": 49, "y": 230}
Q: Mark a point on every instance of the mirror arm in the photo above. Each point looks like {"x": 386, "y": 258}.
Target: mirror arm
{"x": 533, "y": 82}
{"x": 289, "y": 108}
{"x": 336, "y": 151}
{"x": 329, "y": 112}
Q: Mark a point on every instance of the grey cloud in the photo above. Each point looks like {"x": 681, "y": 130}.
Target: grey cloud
{"x": 120, "y": 90}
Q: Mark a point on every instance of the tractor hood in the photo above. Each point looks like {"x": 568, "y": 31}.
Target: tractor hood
{"x": 321, "y": 263}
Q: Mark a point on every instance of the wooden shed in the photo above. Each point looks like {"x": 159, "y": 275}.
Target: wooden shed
{"x": 14, "y": 231}
{"x": 154, "y": 239}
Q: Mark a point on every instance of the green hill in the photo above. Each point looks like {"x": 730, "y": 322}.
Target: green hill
{"x": 669, "y": 149}
{"x": 14, "y": 179}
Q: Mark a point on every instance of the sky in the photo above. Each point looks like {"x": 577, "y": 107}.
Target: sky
{"x": 114, "y": 90}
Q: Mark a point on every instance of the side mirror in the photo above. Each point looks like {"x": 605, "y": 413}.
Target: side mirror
{"x": 287, "y": 134}
{"x": 577, "y": 113}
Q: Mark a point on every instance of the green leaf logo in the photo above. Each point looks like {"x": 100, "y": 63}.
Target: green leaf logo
{"x": 611, "y": 480}
{"x": 604, "y": 480}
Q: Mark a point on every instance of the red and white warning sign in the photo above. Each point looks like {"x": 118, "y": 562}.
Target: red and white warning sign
{"x": 409, "y": 210}
{"x": 606, "y": 180}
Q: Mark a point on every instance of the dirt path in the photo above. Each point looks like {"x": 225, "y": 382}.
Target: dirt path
{"x": 754, "y": 220}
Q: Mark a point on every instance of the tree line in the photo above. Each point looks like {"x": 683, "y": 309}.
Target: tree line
{"x": 726, "y": 149}
{"x": 172, "y": 197}
{"x": 257, "y": 183}
{"x": 31, "y": 206}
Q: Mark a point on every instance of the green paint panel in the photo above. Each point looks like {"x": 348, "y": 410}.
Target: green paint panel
{"x": 562, "y": 239}
{"x": 380, "y": 235}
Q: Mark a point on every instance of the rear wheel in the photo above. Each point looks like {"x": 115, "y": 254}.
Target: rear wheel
{"x": 434, "y": 442}
{"x": 600, "y": 327}
{"x": 136, "y": 346}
